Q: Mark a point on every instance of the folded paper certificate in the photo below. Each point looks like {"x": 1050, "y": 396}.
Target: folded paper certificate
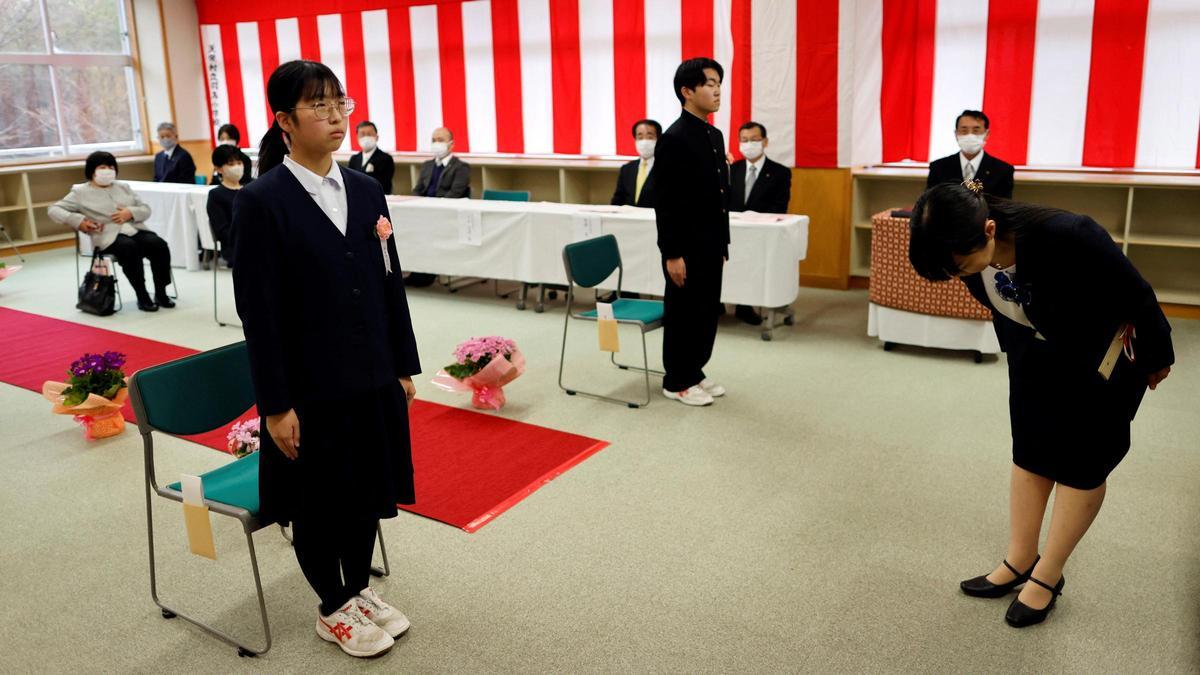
{"x": 607, "y": 328}
{"x": 195, "y": 518}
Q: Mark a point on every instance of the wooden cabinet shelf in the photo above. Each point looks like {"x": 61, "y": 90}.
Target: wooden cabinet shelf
{"x": 1155, "y": 218}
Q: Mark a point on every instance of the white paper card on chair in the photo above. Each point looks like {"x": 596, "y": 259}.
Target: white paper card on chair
{"x": 587, "y": 225}
{"x": 604, "y": 311}
{"x": 193, "y": 490}
{"x": 470, "y": 228}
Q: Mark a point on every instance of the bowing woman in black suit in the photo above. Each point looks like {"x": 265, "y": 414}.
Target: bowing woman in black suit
{"x": 331, "y": 350}
{"x": 1066, "y": 302}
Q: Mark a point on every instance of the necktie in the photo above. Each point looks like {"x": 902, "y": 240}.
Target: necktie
{"x": 641, "y": 180}
{"x": 434, "y": 179}
{"x": 751, "y": 176}
{"x": 969, "y": 171}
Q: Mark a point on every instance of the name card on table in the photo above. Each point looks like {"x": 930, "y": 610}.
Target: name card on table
{"x": 195, "y": 518}
{"x": 587, "y": 225}
{"x": 470, "y": 228}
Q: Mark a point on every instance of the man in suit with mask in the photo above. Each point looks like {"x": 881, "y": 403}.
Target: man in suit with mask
{"x": 635, "y": 183}
{"x": 757, "y": 184}
{"x": 372, "y": 161}
{"x": 173, "y": 164}
{"x": 971, "y": 130}
{"x": 445, "y": 175}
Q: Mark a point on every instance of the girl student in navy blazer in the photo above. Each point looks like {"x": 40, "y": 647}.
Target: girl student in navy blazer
{"x": 332, "y": 352}
{"x": 1084, "y": 336}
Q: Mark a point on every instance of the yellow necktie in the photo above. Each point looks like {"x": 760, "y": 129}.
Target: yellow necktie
{"x": 641, "y": 180}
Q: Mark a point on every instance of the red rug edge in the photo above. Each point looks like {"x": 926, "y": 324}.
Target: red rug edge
{"x": 518, "y": 496}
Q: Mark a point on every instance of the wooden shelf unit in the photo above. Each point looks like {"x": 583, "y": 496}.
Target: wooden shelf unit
{"x": 1155, "y": 218}
{"x": 27, "y": 190}
{"x": 552, "y": 179}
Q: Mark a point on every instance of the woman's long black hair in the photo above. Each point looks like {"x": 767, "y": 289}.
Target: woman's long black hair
{"x": 291, "y": 83}
{"x": 949, "y": 219}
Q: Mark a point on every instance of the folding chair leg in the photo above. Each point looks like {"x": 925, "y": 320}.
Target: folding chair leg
{"x": 172, "y": 613}
{"x": 627, "y": 366}
{"x": 571, "y": 392}
{"x": 387, "y": 569}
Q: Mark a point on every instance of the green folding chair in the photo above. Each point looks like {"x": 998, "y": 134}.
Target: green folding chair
{"x": 164, "y": 399}
{"x": 589, "y": 263}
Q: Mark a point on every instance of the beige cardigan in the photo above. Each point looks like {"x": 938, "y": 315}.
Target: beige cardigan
{"x": 87, "y": 200}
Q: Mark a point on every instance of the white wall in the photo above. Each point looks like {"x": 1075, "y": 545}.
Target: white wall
{"x": 182, "y": 48}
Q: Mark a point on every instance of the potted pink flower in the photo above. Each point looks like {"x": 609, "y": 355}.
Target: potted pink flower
{"x": 483, "y": 366}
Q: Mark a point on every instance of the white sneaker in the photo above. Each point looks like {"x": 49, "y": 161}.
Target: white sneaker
{"x": 391, "y": 620}
{"x": 691, "y": 396}
{"x": 353, "y": 632}
{"x": 714, "y": 390}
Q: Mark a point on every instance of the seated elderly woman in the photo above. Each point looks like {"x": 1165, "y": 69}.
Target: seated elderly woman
{"x": 115, "y": 217}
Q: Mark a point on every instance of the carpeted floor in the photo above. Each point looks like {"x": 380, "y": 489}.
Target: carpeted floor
{"x": 818, "y": 519}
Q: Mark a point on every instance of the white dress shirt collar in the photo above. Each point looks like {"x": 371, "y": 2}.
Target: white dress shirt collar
{"x": 328, "y": 191}
{"x": 648, "y": 162}
{"x": 367, "y": 156}
{"x": 963, "y": 162}
{"x": 444, "y": 161}
{"x": 757, "y": 164}
{"x": 170, "y": 152}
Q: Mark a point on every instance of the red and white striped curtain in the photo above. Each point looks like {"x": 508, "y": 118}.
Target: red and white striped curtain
{"x": 1067, "y": 83}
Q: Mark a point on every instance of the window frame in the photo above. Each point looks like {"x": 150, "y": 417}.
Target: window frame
{"x": 139, "y": 143}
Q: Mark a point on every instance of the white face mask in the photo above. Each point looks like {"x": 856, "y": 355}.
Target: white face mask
{"x": 227, "y": 141}
{"x": 104, "y": 177}
{"x": 233, "y": 172}
{"x": 367, "y": 143}
{"x": 440, "y": 149}
{"x": 971, "y": 143}
{"x": 645, "y": 147}
{"x": 752, "y": 150}
{"x": 166, "y": 143}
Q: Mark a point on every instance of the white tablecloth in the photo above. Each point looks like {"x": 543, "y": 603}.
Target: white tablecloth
{"x": 925, "y": 330}
{"x": 172, "y": 217}
{"x": 523, "y": 241}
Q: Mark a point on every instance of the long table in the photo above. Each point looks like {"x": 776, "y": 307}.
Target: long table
{"x": 523, "y": 241}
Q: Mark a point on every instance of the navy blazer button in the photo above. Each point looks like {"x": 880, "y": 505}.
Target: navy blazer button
{"x": 356, "y": 292}
{"x": 349, "y": 255}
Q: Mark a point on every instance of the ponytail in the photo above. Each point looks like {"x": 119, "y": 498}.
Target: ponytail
{"x": 272, "y": 149}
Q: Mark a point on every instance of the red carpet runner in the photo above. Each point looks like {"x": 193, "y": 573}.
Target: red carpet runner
{"x": 470, "y": 467}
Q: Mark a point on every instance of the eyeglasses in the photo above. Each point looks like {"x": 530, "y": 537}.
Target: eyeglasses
{"x": 1010, "y": 291}
{"x": 323, "y": 110}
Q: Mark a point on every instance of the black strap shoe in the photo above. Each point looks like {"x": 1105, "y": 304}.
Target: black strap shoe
{"x": 980, "y": 587}
{"x": 1020, "y": 615}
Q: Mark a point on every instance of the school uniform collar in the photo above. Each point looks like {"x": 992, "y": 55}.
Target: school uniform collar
{"x": 309, "y": 180}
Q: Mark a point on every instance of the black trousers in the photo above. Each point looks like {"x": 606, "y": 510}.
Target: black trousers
{"x": 335, "y": 556}
{"x": 690, "y": 317}
{"x": 145, "y": 245}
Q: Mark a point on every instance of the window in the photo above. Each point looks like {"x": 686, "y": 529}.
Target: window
{"x": 66, "y": 70}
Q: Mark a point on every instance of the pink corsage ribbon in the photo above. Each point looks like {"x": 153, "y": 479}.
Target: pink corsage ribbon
{"x": 383, "y": 230}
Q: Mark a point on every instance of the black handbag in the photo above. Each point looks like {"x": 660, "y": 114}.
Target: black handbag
{"x": 98, "y": 292}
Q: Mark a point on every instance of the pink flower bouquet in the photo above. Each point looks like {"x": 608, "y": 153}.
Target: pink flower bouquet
{"x": 483, "y": 366}
{"x": 243, "y": 438}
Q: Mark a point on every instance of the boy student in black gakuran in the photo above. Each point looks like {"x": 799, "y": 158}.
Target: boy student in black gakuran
{"x": 692, "y": 214}
{"x": 320, "y": 293}
{"x": 1084, "y": 336}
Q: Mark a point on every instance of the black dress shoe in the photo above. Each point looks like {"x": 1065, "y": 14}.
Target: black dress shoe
{"x": 147, "y": 305}
{"x": 163, "y": 300}
{"x": 980, "y": 587}
{"x": 748, "y": 315}
{"x": 1021, "y": 615}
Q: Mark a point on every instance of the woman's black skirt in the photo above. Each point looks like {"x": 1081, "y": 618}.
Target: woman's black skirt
{"x": 355, "y": 460}
{"x": 1068, "y": 423}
